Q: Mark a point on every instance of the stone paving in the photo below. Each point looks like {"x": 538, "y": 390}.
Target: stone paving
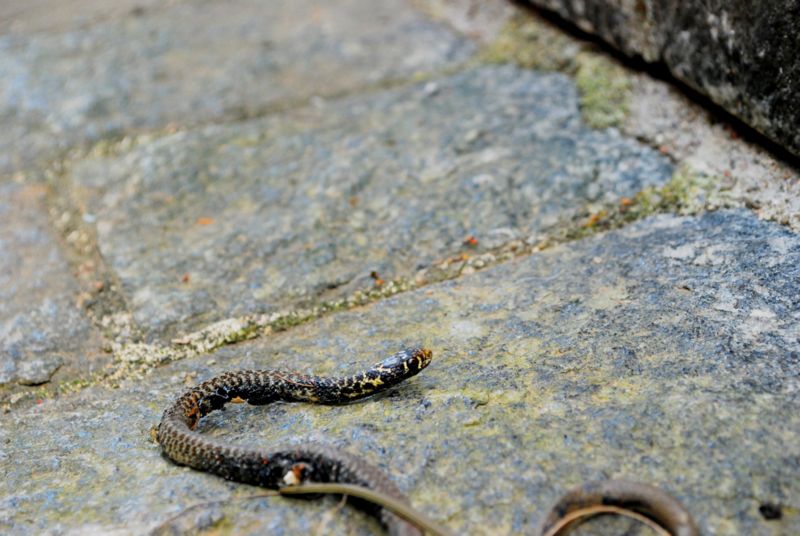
{"x": 194, "y": 187}
{"x": 310, "y": 202}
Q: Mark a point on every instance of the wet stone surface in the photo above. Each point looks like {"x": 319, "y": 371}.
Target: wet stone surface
{"x": 41, "y": 326}
{"x": 278, "y": 212}
{"x": 666, "y": 352}
{"x": 189, "y": 62}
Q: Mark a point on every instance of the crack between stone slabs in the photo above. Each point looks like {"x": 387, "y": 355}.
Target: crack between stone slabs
{"x": 115, "y": 145}
{"x": 107, "y": 306}
{"x": 101, "y": 296}
{"x": 132, "y": 361}
{"x": 97, "y": 288}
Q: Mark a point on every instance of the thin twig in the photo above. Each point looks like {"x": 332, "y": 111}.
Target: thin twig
{"x": 591, "y": 511}
{"x": 398, "y": 508}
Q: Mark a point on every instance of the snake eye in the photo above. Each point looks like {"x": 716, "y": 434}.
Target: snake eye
{"x": 414, "y": 359}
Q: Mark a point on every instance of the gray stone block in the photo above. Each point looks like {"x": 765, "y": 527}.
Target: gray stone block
{"x": 666, "y": 352}
{"x": 41, "y": 327}
{"x": 281, "y": 211}
{"x": 744, "y": 55}
{"x": 189, "y": 62}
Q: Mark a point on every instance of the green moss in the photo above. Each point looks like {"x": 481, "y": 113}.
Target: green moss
{"x": 533, "y": 44}
{"x": 685, "y": 193}
{"x": 603, "y": 84}
{"x": 291, "y": 320}
{"x": 134, "y": 359}
{"x": 604, "y": 88}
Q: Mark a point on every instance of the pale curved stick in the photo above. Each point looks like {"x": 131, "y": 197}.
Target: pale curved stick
{"x": 388, "y": 502}
{"x": 591, "y": 511}
{"x": 642, "y": 502}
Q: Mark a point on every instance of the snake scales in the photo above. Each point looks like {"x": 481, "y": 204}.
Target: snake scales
{"x": 292, "y": 465}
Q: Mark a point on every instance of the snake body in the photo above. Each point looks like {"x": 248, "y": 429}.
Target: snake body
{"x": 289, "y": 465}
{"x": 313, "y": 463}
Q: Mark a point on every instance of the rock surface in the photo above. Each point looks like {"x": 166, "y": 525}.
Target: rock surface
{"x": 40, "y": 323}
{"x": 271, "y": 213}
{"x": 666, "y": 352}
{"x": 291, "y": 151}
{"x": 743, "y": 56}
{"x": 38, "y": 371}
{"x": 187, "y": 64}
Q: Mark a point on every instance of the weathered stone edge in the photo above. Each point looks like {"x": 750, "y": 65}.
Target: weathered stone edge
{"x": 734, "y": 72}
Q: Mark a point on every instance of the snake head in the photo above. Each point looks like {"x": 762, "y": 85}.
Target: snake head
{"x": 408, "y": 362}
{"x": 421, "y": 358}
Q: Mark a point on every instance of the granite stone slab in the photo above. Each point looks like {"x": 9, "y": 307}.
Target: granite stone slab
{"x": 271, "y": 213}
{"x": 666, "y": 352}
{"x": 41, "y": 326}
{"x": 188, "y": 62}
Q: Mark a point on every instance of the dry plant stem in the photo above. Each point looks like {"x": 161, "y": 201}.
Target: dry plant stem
{"x": 390, "y": 503}
{"x": 591, "y": 511}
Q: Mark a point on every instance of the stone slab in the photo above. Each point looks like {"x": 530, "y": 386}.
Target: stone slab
{"x": 666, "y": 352}
{"x": 281, "y": 211}
{"x": 739, "y": 170}
{"x": 742, "y": 55}
{"x": 187, "y": 62}
{"x": 39, "y": 16}
{"x": 41, "y": 326}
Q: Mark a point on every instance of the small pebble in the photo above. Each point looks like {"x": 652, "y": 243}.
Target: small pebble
{"x": 38, "y": 370}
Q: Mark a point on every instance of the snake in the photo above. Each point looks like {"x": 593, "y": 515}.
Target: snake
{"x": 315, "y": 466}
{"x": 291, "y": 464}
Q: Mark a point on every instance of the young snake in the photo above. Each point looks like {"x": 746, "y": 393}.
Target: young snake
{"x": 291, "y": 466}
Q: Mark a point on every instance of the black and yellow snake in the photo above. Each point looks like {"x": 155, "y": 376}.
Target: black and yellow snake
{"x": 312, "y": 463}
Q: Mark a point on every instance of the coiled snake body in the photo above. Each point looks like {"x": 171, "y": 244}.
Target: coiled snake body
{"x": 310, "y": 462}
{"x": 292, "y": 464}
